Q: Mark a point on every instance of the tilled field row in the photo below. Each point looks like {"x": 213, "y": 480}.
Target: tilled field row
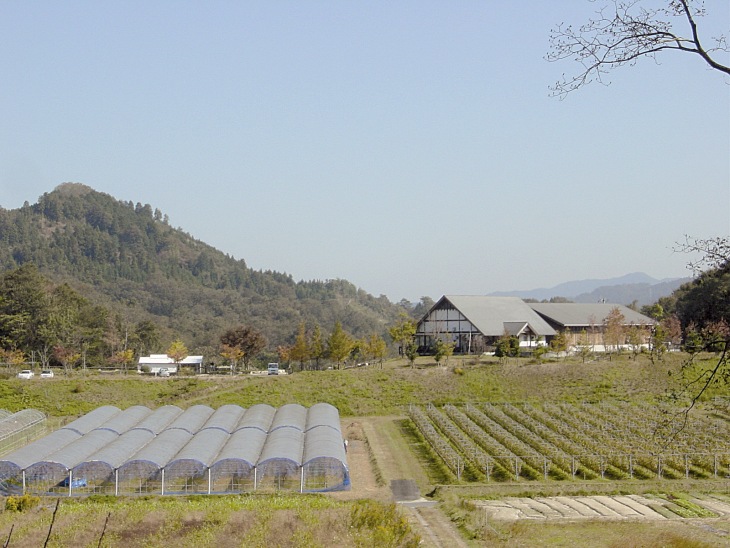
{"x": 602, "y": 507}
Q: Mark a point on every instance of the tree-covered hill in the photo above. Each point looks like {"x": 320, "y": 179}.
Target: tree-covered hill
{"x": 127, "y": 257}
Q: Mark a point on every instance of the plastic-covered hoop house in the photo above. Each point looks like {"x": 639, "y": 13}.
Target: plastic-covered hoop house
{"x": 19, "y": 428}
{"x": 169, "y": 451}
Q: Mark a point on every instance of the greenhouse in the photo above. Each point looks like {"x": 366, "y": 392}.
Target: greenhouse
{"x": 172, "y": 451}
{"x": 17, "y": 429}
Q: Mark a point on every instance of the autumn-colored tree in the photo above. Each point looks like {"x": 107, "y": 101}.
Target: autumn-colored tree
{"x": 284, "y": 353}
{"x": 614, "y": 329}
{"x": 66, "y": 356}
{"x": 233, "y": 354}
{"x": 123, "y": 359}
{"x": 12, "y": 357}
{"x": 178, "y": 352}
{"x": 375, "y": 348}
{"x": 339, "y": 345}
{"x": 316, "y": 346}
{"x": 299, "y": 351}
{"x": 249, "y": 340}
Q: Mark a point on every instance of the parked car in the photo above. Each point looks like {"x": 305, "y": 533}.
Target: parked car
{"x": 26, "y": 374}
{"x": 163, "y": 372}
{"x": 46, "y": 374}
{"x": 76, "y": 482}
{"x": 273, "y": 369}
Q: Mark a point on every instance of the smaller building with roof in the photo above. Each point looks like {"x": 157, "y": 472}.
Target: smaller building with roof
{"x": 586, "y": 322}
{"x": 154, "y": 362}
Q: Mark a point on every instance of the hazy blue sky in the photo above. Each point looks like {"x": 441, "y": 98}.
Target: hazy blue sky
{"x": 409, "y": 147}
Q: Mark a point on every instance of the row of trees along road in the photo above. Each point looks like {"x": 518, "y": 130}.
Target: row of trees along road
{"x": 311, "y": 348}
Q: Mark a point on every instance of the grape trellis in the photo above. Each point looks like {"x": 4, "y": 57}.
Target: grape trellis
{"x": 513, "y": 442}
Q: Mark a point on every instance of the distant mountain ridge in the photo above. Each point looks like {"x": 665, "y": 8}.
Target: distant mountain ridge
{"x": 637, "y": 286}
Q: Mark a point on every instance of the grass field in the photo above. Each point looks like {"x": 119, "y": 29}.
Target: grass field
{"x": 378, "y": 399}
{"x": 220, "y": 521}
{"x": 363, "y": 391}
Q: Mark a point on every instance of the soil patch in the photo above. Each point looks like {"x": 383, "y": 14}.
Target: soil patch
{"x": 623, "y": 507}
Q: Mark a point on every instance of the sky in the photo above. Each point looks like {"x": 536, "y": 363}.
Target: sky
{"x": 411, "y": 148}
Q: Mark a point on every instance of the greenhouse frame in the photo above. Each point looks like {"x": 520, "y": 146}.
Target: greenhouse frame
{"x": 173, "y": 451}
{"x": 17, "y": 429}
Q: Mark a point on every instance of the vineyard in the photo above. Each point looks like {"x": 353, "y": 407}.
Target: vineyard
{"x": 513, "y": 442}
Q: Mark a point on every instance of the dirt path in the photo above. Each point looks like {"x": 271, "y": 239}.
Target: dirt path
{"x": 378, "y": 454}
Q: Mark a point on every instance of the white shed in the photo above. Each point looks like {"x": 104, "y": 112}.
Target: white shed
{"x": 155, "y": 362}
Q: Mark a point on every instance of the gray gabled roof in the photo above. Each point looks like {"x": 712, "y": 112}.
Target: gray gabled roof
{"x": 585, "y": 314}
{"x": 492, "y": 316}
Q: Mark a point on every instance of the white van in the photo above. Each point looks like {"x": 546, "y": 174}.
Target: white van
{"x": 273, "y": 369}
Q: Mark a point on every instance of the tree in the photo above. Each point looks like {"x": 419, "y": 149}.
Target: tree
{"x": 559, "y": 343}
{"x": 245, "y": 338}
{"x": 177, "y": 351}
{"x": 584, "y": 348}
{"x": 411, "y": 353}
{"x": 24, "y": 310}
{"x": 375, "y": 348}
{"x": 421, "y": 309}
{"x": 66, "y": 356}
{"x": 623, "y": 32}
{"x": 12, "y": 357}
{"x": 507, "y": 346}
{"x": 146, "y": 337}
{"x": 442, "y": 350}
{"x": 635, "y": 339}
{"x": 339, "y": 344}
{"x": 614, "y": 330}
{"x": 233, "y": 354}
{"x": 316, "y": 346}
{"x": 403, "y": 332}
{"x": 123, "y": 358}
{"x": 299, "y": 351}
{"x": 284, "y": 353}
{"x": 702, "y": 308}
{"x": 714, "y": 252}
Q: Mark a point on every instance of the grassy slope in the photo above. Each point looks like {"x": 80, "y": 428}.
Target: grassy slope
{"x": 357, "y": 392}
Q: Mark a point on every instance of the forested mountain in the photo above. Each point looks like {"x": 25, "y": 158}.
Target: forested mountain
{"x": 127, "y": 258}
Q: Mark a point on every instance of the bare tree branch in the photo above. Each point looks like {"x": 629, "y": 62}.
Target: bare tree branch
{"x": 715, "y": 252}
{"x": 622, "y": 35}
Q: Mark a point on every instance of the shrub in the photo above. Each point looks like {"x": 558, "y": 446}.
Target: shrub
{"x": 382, "y": 524}
{"x": 21, "y": 504}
